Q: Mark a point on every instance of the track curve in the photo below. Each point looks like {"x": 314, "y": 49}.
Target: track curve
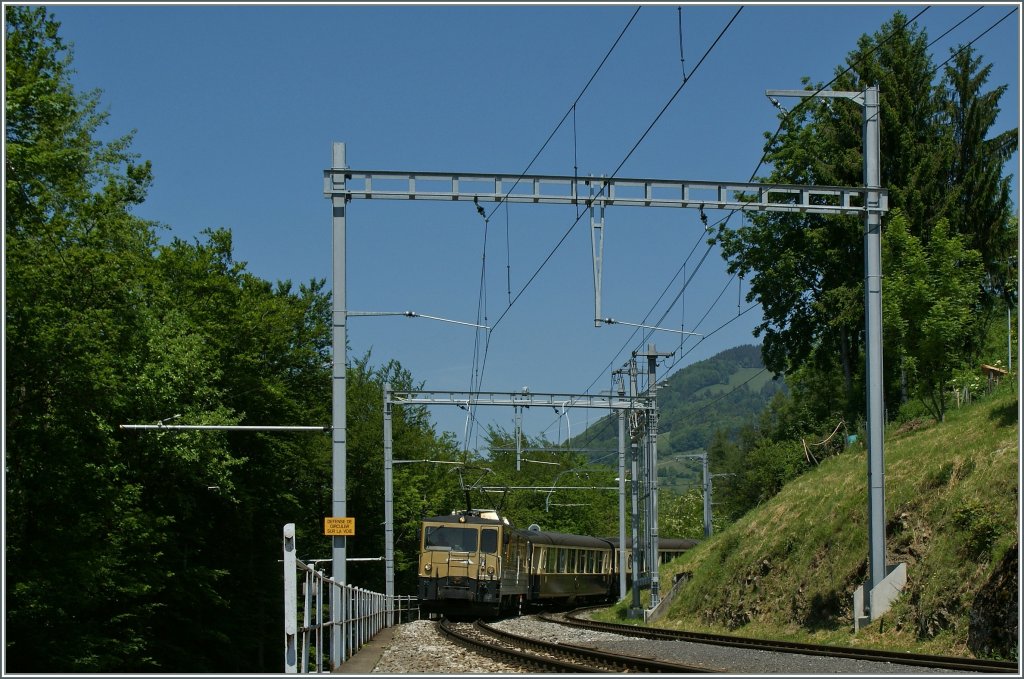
{"x": 912, "y": 659}
{"x": 553, "y": 657}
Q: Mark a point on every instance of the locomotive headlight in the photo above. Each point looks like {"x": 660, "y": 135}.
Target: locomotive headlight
{"x": 490, "y": 570}
{"x": 427, "y": 568}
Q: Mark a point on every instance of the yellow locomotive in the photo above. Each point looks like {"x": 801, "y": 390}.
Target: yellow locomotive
{"x": 476, "y": 563}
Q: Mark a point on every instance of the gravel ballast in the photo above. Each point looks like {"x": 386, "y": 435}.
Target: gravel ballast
{"x": 418, "y": 647}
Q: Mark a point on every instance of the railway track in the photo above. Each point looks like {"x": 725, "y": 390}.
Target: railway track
{"x": 913, "y": 659}
{"x": 552, "y": 657}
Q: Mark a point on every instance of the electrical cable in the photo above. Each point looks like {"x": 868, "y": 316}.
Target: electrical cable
{"x": 572, "y": 107}
{"x": 632, "y": 150}
{"x": 682, "y": 59}
{"x": 976, "y": 39}
{"x": 481, "y": 313}
{"x": 761, "y": 162}
{"x": 508, "y": 258}
{"x": 935, "y": 71}
{"x": 775, "y": 136}
{"x": 618, "y": 168}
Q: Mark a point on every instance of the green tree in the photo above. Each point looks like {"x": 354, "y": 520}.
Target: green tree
{"x": 978, "y": 205}
{"x": 420, "y": 489}
{"x": 937, "y": 161}
{"x": 130, "y": 551}
{"x": 76, "y": 276}
{"x": 930, "y": 306}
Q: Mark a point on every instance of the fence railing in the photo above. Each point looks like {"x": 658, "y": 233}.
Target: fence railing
{"x": 361, "y": 614}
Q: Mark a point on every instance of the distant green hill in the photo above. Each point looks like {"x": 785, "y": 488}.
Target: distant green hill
{"x": 788, "y": 568}
{"x": 727, "y": 391}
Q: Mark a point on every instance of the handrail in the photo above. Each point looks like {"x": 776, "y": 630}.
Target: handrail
{"x": 363, "y": 613}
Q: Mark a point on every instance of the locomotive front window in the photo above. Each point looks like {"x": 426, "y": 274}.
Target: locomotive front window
{"x": 489, "y": 540}
{"x": 452, "y": 538}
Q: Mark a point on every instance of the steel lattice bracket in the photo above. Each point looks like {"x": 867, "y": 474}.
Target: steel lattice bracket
{"x": 565, "y": 190}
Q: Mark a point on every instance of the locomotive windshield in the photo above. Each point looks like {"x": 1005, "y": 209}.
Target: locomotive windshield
{"x": 452, "y": 538}
{"x": 489, "y": 540}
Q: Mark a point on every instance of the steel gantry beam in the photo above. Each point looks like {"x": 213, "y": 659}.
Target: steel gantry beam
{"x": 495, "y": 398}
{"x": 568, "y": 190}
{"x": 465, "y": 399}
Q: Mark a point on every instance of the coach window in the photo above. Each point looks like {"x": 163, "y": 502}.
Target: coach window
{"x": 552, "y": 564}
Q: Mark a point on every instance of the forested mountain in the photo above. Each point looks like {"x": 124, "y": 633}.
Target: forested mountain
{"x": 725, "y": 392}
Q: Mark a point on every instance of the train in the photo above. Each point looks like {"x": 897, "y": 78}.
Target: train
{"x": 475, "y": 562}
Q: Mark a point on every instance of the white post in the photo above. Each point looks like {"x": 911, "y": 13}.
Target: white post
{"x": 290, "y": 601}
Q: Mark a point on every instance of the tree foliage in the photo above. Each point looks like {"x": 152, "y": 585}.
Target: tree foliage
{"x": 158, "y": 551}
{"x": 948, "y": 249}
{"x": 938, "y": 162}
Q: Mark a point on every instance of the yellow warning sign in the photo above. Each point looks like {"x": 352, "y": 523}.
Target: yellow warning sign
{"x": 339, "y": 525}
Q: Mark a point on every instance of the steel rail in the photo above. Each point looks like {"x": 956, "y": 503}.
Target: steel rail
{"x": 474, "y": 643}
{"x": 563, "y": 657}
{"x": 869, "y": 654}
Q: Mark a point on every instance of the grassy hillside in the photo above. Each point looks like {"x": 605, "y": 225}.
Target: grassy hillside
{"x": 788, "y": 569}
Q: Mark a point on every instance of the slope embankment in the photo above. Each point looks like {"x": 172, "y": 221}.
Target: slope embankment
{"x": 788, "y": 569}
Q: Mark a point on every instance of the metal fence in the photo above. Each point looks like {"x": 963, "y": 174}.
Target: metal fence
{"x": 362, "y": 614}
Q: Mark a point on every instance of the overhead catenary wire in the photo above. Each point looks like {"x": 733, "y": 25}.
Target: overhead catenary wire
{"x": 478, "y": 374}
{"x": 764, "y": 155}
{"x": 604, "y": 184}
{"x": 761, "y": 162}
{"x": 572, "y": 107}
{"x": 976, "y": 39}
{"x": 682, "y": 59}
{"x": 932, "y": 42}
{"x": 481, "y": 315}
{"x": 625, "y": 159}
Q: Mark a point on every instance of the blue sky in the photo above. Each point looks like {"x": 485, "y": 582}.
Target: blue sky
{"x": 237, "y": 108}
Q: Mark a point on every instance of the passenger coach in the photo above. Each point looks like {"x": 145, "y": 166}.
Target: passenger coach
{"x": 476, "y": 563}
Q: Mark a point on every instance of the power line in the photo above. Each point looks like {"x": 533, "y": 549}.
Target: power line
{"x": 753, "y": 175}
{"x": 979, "y": 37}
{"x": 682, "y": 59}
{"x": 508, "y": 267}
{"x": 481, "y": 313}
{"x": 761, "y": 162}
{"x": 947, "y": 32}
{"x": 619, "y": 167}
{"x": 613, "y": 175}
{"x": 572, "y": 107}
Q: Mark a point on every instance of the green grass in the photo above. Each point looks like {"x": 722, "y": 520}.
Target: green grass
{"x": 788, "y": 569}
